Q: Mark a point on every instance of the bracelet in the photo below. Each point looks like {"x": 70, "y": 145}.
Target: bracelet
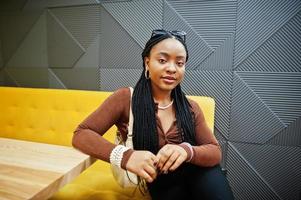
{"x": 191, "y": 150}
{"x": 117, "y": 155}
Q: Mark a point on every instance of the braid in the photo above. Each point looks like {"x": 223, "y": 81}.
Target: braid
{"x": 145, "y": 134}
{"x": 184, "y": 117}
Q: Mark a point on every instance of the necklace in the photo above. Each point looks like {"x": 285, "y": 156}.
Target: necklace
{"x": 165, "y": 107}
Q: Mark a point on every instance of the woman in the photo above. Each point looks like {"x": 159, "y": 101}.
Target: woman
{"x": 175, "y": 151}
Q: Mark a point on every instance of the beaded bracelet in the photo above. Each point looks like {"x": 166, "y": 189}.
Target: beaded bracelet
{"x": 117, "y": 155}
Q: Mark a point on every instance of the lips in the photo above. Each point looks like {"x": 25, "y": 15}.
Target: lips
{"x": 169, "y": 79}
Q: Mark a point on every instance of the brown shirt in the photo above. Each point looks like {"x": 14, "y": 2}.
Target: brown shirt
{"x": 115, "y": 111}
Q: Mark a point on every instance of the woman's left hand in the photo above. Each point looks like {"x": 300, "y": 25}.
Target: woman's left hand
{"x": 170, "y": 157}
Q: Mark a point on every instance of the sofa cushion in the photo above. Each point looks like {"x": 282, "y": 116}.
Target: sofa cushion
{"x": 45, "y": 115}
{"x": 51, "y": 116}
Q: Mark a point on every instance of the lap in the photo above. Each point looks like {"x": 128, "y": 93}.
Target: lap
{"x": 210, "y": 183}
{"x": 191, "y": 182}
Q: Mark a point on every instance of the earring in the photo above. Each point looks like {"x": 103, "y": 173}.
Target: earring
{"x": 146, "y": 74}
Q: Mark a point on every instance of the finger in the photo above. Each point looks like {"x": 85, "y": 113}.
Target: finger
{"x": 151, "y": 171}
{"x": 177, "y": 163}
{"x": 143, "y": 174}
{"x": 155, "y": 161}
{"x": 163, "y": 157}
{"x": 170, "y": 161}
{"x": 151, "y": 159}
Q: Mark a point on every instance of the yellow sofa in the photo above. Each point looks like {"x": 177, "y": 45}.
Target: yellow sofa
{"x": 51, "y": 115}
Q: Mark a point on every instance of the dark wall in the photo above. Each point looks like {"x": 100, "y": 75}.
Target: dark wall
{"x": 245, "y": 54}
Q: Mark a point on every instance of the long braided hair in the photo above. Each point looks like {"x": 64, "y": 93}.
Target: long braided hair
{"x": 145, "y": 135}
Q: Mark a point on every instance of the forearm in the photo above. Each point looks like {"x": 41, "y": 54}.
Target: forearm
{"x": 206, "y": 155}
{"x": 93, "y": 144}
{"x": 96, "y": 146}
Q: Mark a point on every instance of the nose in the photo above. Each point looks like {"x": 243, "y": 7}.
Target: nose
{"x": 171, "y": 68}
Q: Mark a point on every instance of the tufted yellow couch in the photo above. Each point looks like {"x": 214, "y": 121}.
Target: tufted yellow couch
{"x": 51, "y": 115}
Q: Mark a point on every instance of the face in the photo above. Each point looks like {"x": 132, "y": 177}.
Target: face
{"x": 166, "y": 64}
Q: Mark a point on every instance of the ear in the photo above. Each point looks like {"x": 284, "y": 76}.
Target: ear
{"x": 146, "y": 62}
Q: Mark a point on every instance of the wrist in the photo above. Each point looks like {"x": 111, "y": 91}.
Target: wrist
{"x": 126, "y": 156}
{"x": 117, "y": 155}
{"x": 188, "y": 148}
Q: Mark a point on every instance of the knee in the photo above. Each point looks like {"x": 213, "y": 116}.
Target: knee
{"x": 211, "y": 183}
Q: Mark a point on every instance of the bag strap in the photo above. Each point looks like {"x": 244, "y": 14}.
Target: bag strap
{"x": 131, "y": 118}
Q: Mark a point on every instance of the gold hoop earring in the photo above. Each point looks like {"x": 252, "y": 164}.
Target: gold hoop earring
{"x": 146, "y": 74}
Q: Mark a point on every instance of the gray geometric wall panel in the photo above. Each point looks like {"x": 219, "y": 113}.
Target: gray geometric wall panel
{"x": 112, "y": 79}
{"x": 251, "y": 119}
{"x": 245, "y": 181}
{"x": 91, "y": 56}
{"x": 214, "y": 21}
{"x": 117, "y": 51}
{"x": 62, "y": 3}
{"x": 281, "y": 92}
{"x": 281, "y": 52}
{"x": 216, "y": 84}
{"x": 29, "y": 77}
{"x": 224, "y": 145}
{"x": 285, "y": 180}
{"x": 1, "y": 59}
{"x": 290, "y": 136}
{"x": 217, "y": 30}
{"x": 63, "y": 49}
{"x": 34, "y": 5}
{"x": 221, "y": 58}
{"x": 78, "y": 78}
{"x": 257, "y": 21}
{"x": 54, "y": 81}
{"x": 83, "y": 22}
{"x": 36, "y": 41}
{"x": 2, "y": 77}
{"x": 141, "y": 20}
{"x": 13, "y": 29}
{"x": 197, "y": 46}
{"x": 16, "y": 5}
{"x": 9, "y": 80}
{"x": 244, "y": 54}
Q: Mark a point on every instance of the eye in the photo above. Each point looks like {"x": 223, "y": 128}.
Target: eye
{"x": 180, "y": 63}
{"x": 162, "y": 61}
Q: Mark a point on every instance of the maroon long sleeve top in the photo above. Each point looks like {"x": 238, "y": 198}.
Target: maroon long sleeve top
{"x": 115, "y": 111}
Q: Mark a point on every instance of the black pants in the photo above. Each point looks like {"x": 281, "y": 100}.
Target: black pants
{"x": 191, "y": 182}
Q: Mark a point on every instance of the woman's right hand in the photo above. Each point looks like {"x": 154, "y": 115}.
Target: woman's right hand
{"x": 143, "y": 163}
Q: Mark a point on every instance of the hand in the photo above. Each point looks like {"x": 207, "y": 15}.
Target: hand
{"x": 170, "y": 157}
{"x": 143, "y": 163}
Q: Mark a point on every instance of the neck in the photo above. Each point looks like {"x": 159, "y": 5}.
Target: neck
{"x": 162, "y": 97}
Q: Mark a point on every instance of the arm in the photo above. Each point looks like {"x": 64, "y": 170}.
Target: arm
{"x": 88, "y": 135}
{"x": 207, "y": 153}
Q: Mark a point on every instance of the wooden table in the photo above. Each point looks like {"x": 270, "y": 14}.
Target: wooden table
{"x": 30, "y": 170}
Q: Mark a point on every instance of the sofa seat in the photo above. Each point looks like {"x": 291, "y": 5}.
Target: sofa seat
{"x": 51, "y": 116}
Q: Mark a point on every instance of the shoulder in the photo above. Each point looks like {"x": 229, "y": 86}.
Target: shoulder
{"x": 121, "y": 94}
{"x": 122, "y": 91}
{"x": 196, "y": 109}
{"x": 194, "y": 106}
{"x": 117, "y": 104}
{"x": 118, "y": 99}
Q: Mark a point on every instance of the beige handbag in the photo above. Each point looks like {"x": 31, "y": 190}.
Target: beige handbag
{"x": 123, "y": 177}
